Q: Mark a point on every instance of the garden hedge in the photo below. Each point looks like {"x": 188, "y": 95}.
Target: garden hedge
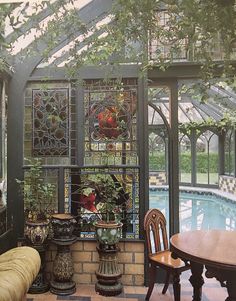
{"x": 157, "y": 162}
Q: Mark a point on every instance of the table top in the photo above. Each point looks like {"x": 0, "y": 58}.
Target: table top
{"x": 210, "y": 247}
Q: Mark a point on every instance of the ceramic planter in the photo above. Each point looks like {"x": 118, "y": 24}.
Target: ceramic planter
{"x": 108, "y": 233}
{"x": 37, "y": 232}
{"x": 63, "y": 226}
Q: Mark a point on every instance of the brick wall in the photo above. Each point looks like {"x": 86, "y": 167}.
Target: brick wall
{"x": 227, "y": 184}
{"x": 86, "y": 261}
{"x": 157, "y": 178}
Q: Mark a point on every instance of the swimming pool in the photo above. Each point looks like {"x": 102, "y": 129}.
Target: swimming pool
{"x": 198, "y": 209}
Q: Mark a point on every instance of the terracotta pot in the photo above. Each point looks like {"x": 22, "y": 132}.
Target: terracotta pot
{"x": 108, "y": 233}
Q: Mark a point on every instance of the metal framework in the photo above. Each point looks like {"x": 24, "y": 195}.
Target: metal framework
{"x": 34, "y": 72}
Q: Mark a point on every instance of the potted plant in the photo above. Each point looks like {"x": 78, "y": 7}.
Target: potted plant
{"x": 108, "y": 226}
{"x": 105, "y": 197}
{"x": 38, "y": 202}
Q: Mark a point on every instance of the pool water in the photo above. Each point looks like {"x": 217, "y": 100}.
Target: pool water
{"x": 198, "y": 210}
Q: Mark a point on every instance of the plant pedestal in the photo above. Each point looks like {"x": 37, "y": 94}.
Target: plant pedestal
{"x": 40, "y": 284}
{"x": 36, "y": 235}
{"x": 108, "y": 273}
{"x": 63, "y": 270}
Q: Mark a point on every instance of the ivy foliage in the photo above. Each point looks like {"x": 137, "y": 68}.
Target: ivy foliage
{"x": 205, "y": 26}
{"x": 227, "y": 122}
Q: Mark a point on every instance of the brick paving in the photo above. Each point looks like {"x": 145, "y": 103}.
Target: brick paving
{"x": 212, "y": 291}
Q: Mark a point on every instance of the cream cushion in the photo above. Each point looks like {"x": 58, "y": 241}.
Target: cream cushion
{"x": 18, "y": 269}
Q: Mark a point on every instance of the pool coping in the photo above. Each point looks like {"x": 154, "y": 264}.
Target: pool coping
{"x": 199, "y": 190}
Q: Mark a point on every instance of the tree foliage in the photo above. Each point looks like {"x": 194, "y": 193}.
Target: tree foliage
{"x": 205, "y": 26}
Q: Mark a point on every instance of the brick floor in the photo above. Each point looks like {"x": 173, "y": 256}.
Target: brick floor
{"x": 212, "y": 291}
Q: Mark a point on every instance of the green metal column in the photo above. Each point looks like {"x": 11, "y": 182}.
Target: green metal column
{"x": 221, "y": 153}
{"x": 193, "y": 157}
{"x": 142, "y": 121}
{"x": 173, "y": 159}
{"x": 234, "y": 153}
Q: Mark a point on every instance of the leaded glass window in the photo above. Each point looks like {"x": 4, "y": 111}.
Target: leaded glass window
{"x": 85, "y": 199}
{"x": 50, "y": 122}
{"x": 110, "y": 124}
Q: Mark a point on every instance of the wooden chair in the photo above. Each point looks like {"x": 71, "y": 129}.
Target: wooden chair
{"x": 159, "y": 255}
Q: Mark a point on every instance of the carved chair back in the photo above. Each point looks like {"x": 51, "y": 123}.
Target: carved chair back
{"x": 155, "y": 231}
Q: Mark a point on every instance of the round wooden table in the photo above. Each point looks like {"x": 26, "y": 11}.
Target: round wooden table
{"x": 216, "y": 249}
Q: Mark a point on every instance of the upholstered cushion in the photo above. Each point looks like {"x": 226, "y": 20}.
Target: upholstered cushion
{"x": 18, "y": 269}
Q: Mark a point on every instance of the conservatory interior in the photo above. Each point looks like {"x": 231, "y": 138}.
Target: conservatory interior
{"x": 95, "y": 127}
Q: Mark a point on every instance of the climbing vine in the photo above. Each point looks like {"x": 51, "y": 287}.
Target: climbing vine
{"x": 205, "y": 26}
{"x": 227, "y": 122}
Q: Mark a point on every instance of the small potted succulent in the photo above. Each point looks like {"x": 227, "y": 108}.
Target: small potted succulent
{"x": 39, "y": 198}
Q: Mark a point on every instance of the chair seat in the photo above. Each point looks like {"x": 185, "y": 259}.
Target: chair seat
{"x": 164, "y": 259}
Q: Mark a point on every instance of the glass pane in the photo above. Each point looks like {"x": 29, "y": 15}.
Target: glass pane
{"x": 229, "y": 152}
{"x": 158, "y": 148}
{"x": 50, "y": 122}
{"x": 207, "y": 158}
{"x": 185, "y": 159}
{"x": 213, "y": 160}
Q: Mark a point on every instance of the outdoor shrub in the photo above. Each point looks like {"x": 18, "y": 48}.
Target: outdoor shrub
{"x": 157, "y": 162}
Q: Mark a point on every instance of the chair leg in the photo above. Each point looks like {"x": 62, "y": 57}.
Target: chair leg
{"x": 166, "y": 283}
{"x": 152, "y": 279}
{"x": 176, "y": 286}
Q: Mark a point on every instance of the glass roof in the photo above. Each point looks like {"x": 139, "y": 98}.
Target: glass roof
{"x": 32, "y": 19}
{"x": 221, "y": 100}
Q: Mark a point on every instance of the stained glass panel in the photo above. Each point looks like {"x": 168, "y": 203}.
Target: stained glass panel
{"x": 50, "y": 122}
{"x": 110, "y": 123}
{"x": 83, "y": 195}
